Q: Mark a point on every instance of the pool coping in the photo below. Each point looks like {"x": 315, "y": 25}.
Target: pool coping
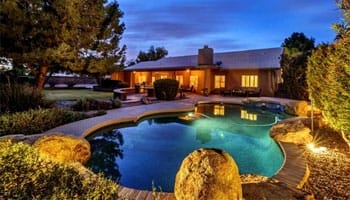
{"x": 294, "y": 171}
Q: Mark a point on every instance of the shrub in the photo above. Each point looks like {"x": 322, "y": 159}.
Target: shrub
{"x": 36, "y": 121}
{"x": 93, "y": 104}
{"x": 20, "y": 97}
{"x": 25, "y": 175}
{"x": 116, "y": 103}
{"x": 166, "y": 89}
{"x": 109, "y": 85}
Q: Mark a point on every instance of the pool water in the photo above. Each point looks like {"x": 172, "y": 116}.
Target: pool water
{"x": 151, "y": 151}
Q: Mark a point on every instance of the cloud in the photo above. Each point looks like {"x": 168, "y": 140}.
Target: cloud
{"x": 183, "y": 26}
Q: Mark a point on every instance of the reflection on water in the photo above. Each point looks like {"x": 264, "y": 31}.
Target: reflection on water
{"x": 152, "y": 150}
{"x": 105, "y": 151}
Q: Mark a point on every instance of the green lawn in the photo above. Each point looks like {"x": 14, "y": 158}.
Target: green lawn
{"x": 75, "y": 94}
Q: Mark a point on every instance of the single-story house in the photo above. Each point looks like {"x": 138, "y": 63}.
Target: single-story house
{"x": 254, "y": 69}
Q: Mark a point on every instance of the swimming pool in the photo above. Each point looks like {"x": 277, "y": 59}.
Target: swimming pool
{"x": 151, "y": 151}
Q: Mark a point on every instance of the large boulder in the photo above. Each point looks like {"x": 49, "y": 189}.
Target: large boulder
{"x": 63, "y": 148}
{"x": 208, "y": 174}
{"x": 291, "y": 131}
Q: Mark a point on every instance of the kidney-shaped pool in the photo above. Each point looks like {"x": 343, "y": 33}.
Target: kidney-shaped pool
{"x": 151, "y": 151}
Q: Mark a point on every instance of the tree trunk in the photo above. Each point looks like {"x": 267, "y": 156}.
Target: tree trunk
{"x": 40, "y": 80}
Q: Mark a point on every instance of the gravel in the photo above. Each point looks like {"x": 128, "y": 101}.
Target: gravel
{"x": 329, "y": 171}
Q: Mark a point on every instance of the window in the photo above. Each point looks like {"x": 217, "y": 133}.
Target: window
{"x": 219, "y": 81}
{"x": 153, "y": 79}
{"x": 163, "y": 76}
{"x": 249, "y": 81}
{"x": 248, "y": 116}
{"x": 180, "y": 78}
{"x": 194, "y": 81}
{"x": 142, "y": 79}
{"x": 219, "y": 110}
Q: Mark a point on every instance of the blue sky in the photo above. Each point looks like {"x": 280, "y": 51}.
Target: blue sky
{"x": 184, "y": 26}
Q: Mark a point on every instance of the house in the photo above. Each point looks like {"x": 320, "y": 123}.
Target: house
{"x": 215, "y": 72}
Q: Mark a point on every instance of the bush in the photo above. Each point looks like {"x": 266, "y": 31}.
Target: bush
{"x": 93, "y": 104}
{"x": 25, "y": 175}
{"x": 166, "y": 89}
{"x": 36, "y": 121}
{"x": 110, "y": 85}
{"x": 20, "y": 97}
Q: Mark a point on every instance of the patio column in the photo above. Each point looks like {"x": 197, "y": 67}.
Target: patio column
{"x": 207, "y": 75}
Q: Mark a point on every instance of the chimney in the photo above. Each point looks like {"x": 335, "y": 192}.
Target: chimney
{"x": 206, "y": 56}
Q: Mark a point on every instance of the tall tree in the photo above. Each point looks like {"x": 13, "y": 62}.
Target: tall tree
{"x": 105, "y": 56}
{"x": 45, "y": 33}
{"x": 328, "y": 76}
{"x": 152, "y": 54}
{"x": 297, "y": 48}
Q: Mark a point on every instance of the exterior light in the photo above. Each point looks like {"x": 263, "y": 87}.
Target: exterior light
{"x": 187, "y": 70}
{"x": 314, "y": 149}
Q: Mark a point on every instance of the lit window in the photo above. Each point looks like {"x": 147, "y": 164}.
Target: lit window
{"x": 219, "y": 81}
{"x": 142, "y": 79}
{"x": 163, "y": 76}
{"x": 153, "y": 79}
{"x": 194, "y": 81}
{"x": 180, "y": 78}
{"x": 248, "y": 116}
{"x": 249, "y": 81}
{"x": 219, "y": 110}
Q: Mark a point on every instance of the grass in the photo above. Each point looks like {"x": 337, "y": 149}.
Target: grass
{"x": 66, "y": 94}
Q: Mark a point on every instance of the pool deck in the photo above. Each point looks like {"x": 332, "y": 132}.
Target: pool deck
{"x": 292, "y": 173}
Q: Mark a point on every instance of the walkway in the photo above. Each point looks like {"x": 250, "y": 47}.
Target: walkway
{"x": 292, "y": 173}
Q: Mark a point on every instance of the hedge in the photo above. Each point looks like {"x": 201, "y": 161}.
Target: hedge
{"x": 166, "y": 89}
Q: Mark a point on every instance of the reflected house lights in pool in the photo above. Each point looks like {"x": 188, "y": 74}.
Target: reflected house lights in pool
{"x": 248, "y": 116}
{"x": 219, "y": 110}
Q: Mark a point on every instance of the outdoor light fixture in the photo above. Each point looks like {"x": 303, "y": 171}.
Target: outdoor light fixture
{"x": 314, "y": 149}
{"x": 187, "y": 70}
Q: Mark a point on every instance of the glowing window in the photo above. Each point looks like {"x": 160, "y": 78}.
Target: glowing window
{"x": 142, "y": 79}
{"x": 249, "y": 81}
{"x": 219, "y": 110}
{"x": 219, "y": 81}
{"x": 163, "y": 76}
{"x": 248, "y": 116}
{"x": 194, "y": 81}
{"x": 180, "y": 78}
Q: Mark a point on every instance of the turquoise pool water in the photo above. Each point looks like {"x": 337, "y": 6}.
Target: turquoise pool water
{"x": 151, "y": 151}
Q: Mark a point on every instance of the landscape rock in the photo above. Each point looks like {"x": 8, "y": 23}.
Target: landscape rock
{"x": 208, "y": 174}
{"x": 299, "y": 108}
{"x": 292, "y": 132}
{"x": 63, "y": 148}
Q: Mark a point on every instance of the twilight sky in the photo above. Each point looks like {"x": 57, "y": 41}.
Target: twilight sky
{"x": 184, "y": 26}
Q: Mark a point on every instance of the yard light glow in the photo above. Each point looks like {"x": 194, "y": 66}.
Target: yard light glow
{"x": 314, "y": 149}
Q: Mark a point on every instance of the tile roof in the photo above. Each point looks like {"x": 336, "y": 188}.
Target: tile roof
{"x": 249, "y": 59}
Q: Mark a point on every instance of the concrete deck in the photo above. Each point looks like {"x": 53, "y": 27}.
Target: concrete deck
{"x": 292, "y": 173}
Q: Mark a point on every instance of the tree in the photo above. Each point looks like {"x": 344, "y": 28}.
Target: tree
{"x": 44, "y": 33}
{"x": 297, "y": 48}
{"x": 328, "y": 77}
{"x": 152, "y": 54}
{"x": 105, "y": 56}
